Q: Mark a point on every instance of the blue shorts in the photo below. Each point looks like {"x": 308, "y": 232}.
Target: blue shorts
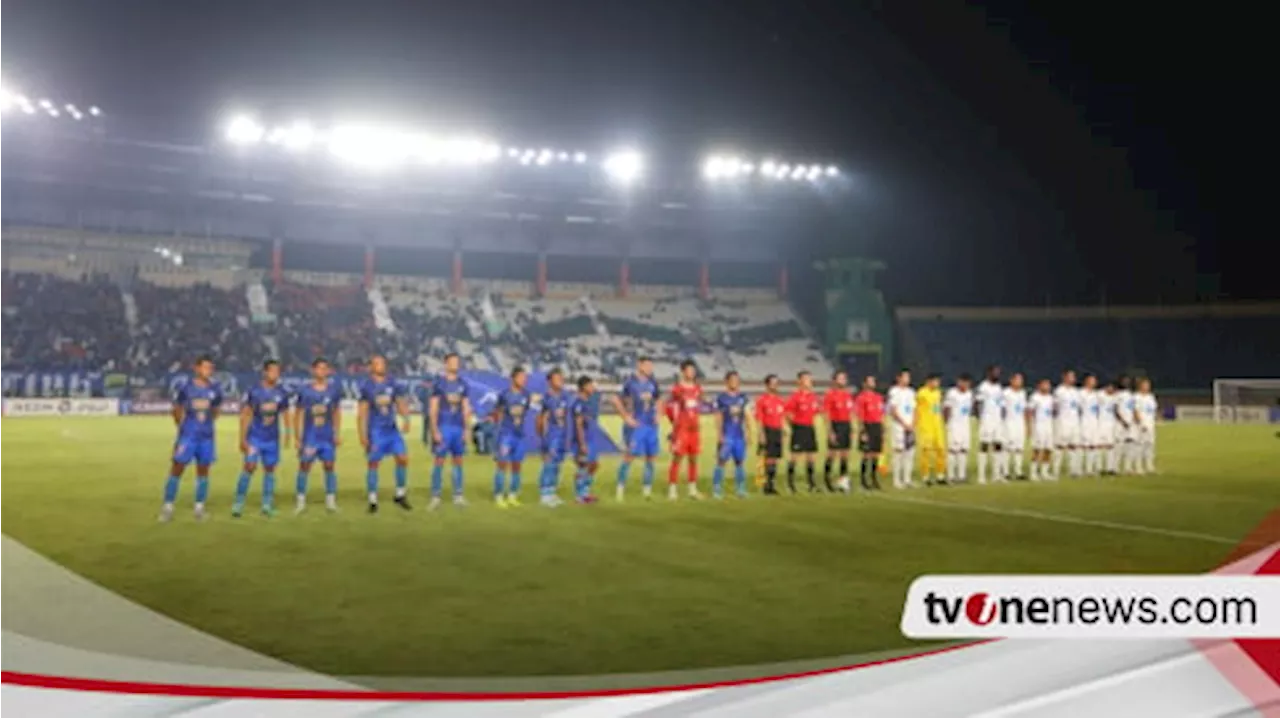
{"x": 453, "y": 442}
{"x": 381, "y": 445}
{"x": 201, "y": 451}
{"x": 325, "y": 451}
{"x": 734, "y": 450}
{"x": 641, "y": 440}
{"x": 268, "y": 452}
{"x": 553, "y": 448}
{"x": 510, "y": 448}
{"x": 590, "y": 456}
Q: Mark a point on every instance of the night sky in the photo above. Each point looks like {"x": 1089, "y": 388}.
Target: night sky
{"x": 1004, "y": 152}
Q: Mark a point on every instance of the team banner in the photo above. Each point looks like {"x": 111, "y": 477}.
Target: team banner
{"x": 55, "y": 384}
{"x": 1148, "y": 607}
{"x": 61, "y": 407}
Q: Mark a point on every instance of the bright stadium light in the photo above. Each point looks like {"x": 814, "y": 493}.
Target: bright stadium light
{"x": 298, "y": 137}
{"x": 241, "y": 130}
{"x": 53, "y": 112}
{"x": 45, "y": 103}
{"x": 28, "y": 108}
{"x": 513, "y": 152}
{"x": 563, "y": 156}
{"x": 782, "y": 171}
{"x": 624, "y": 166}
{"x": 747, "y": 168}
{"x": 814, "y": 173}
{"x": 832, "y": 171}
{"x": 580, "y": 157}
{"x": 768, "y": 168}
{"x": 369, "y": 147}
{"x": 798, "y": 172}
{"x": 95, "y": 111}
{"x": 544, "y": 157}
{"x": 712, "y": 168}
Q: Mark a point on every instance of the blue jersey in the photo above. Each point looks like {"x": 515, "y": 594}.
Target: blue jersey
{"x": 512, "y": 408}
{"x": 318, "y": 407}
{"x": 199, "y": 403}
{"x": 267, "y": 404}
{"x": 732, "y": 408}
{"x": 584, "y": 410}
{"x": 451, "y": 393}
{"x": 640, "y": 397}
{"x": 383, "y": 398}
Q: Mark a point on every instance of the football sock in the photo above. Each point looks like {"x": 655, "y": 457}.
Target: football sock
{"x": 791, "y": 476}
{"x": 457, "y": 480}
{"x": 437, "y": 480}
{"x": 826, "y": 471}
{"x": 499, "y": 482}
{"x": 300, "y": 484}
{"x": 717, "y": 479}
{"x": 982, "y": 467}
{"x": 844, "y": 466}
{"x": 371, "y": 480}
{"x": 330, "y": 483}
{"x": 962, "y": 465}
{"x": 770, "y": 474}
{"x": 202, "y": 489}
{"x": 693, "y": 474}
{"x": 809, "y": 473}
{"x": 740, "y": 478}
{"x": 515, "y": 482}
{"x": 268, "y": 488}
{"x": 1057, "y": 463}
{"x": 647, "y": 477}
{"x": 623, "y": 469}
{"x": 170, "y": 489}
{"x": 1017, "y": 463}
{"x": 906, "y": 466}
{"x": 673, "y": 474}
{"x": 863, "y": 470}
{"x": 402, "y": 479}
{"x": 951, "y": 467}
{"x": 242, "y": 487}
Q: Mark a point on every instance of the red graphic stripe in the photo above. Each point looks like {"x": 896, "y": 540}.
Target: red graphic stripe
{"x": 35, "y": 680}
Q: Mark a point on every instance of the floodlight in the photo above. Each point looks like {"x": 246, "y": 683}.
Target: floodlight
{"x": 53, "y": 112}
{"x": 71, "y": 108}
{"x": 28, "y": 109}
{"x": 513, "y": 152}
{"x": 768, "y": 168}
{"x": 563, "y": 156}
{"x": 46, "y": 104}
{"x": 95, "y": 111}
{"x": 798, "y": 172}
{"x": 814, "y": 172}
{"x": 545, "y": 156}
{"x": 712, "y": 168}
{"x": 624, "y": 166}
{"x": 747, "y": 168}
{"x": 242, "y": 130}
{"x": 298, "y": 136}
{"x": 782, "y": 171}
{"x": 368, "y": 146}
{"x": 527, "y": 157}
{"x": 580, "y": 157}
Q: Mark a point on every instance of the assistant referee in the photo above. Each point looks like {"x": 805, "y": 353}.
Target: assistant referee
{"x": 868, "y": 406}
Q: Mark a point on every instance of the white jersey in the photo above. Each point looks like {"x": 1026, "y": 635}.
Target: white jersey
{"x": 902, "y": 402}
{"x": 1041, "y": 421}
{"x": 990, "y": 397}
{"x": 1107, "y": 407}
{"x": 1066, "y": 402}
{"x": 1015, "y": 409}
{"x": 1146, "y": 407}
{"x": 1124, "y": 406}
{"x": 959, "y": 406}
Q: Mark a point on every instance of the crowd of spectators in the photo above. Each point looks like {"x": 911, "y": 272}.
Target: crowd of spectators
{"x": 176, "y": 324}
{"x": 328, "y": 321}
{"x": 51, "y": 322}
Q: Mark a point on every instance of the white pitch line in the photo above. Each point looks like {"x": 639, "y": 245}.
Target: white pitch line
{"x": 1059, "y": 518}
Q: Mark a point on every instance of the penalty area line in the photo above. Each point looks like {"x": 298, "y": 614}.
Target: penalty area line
{"x": 1063, "y": 519}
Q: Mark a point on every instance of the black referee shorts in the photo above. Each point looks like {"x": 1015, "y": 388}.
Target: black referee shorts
{"x": 871, "y": 441}
{"x": 840, "y": 439}
{"x": 803, "y": 440}
{"x": 772, "y": 443}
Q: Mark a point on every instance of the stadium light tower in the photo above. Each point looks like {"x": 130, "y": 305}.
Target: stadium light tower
{"x": 624, "y": 166}
{"x": 241, "y": 130}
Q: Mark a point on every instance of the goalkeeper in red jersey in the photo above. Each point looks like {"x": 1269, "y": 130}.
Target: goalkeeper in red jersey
{"x": 686, "y": 443}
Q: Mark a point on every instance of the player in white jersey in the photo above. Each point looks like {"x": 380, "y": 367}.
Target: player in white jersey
{"x": 1126, "y": 430}
{"x": 1145, "y": 408}
{"x": 1107, "y": 428}
{"x": 990, "y": 399}
{"x": 1015, "y": 426}
{"x": 902, "y": 415}
{"x": 957, "y": 409}
{"x": 1040, "y": 408}
{"x": 1066, "y": 428}
{"x": 1091, "y": 426}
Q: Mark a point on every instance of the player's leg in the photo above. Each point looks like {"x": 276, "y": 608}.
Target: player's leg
{"x": 183, "y": 453}
{"x": 651, "y": 448}
{"x": 501, "y": 465}
{"x": 984, "y": 450}
{"x": 372, "y": 469}
{"x": 247, "y": 467}
{"x": 692, "y": 448}
{"x": 738, "y": 453}
{"x": 1149, "y": 450}
{"x": 270, "y": 458}
{"x": 717, "y": 477}
{"x": 1014, "y": 447}
{"x": 630, "y": 446}
{"x": 306, "y": 455}
{"x": 206, "y": 455}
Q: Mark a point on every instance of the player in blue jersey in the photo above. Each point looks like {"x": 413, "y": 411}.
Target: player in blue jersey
{"x": 450, "y": 415}
{"x": 382, "y": 400}
{"x": 584, "y": 416}
{"x": 553, "y": 431}
{"x": 423, "y": 393}
{"x": 640, "y": 405}
{"x": 509, "y": 414}
{"x": 733, "y": 429}
{"x": 261, "y": 410}
{"x": 195, "y": 407}
{"x": 317, "y": 422}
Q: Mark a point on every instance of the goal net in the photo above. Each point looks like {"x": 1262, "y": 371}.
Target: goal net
{"x": 1245, "y": 401}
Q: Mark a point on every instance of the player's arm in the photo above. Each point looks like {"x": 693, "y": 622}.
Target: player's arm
{"x": 580, "y": 430}
{"x": 362, "y": 419}
{"x": 467, "y": 412}
{"x": 540, "y": 421}
{"x": 337, "y": 421}
{"x": 296, "y": 417}
{"x": 747, "y": 427}
{"x": 402, "y": 407}
{"x": 620, "y": 407}
{"x": 246, "y": 418}
{"x": 719, "y": 420}
{"x": 179, "y": 409}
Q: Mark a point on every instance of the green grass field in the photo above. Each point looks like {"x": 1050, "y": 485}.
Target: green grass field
{"x": 587, "y": 590}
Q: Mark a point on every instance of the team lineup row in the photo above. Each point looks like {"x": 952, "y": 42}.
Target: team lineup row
{"x": 567, "y": 427}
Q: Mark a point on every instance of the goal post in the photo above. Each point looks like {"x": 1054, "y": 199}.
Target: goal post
{"x": 1245, "y": 401}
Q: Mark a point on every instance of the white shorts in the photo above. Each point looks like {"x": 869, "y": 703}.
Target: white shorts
{"x": 1126, "y": 434}
{"x": 1066, "y": 433}
{"x": 1090, "y": 433}
{"x": 959, "y": 437}
{"x": 897, "y": 436}
{"x": 1015, "y": 437}
{"x": 1107, "y": 433}
{"x": 990, "y": 432}
{"x": 1042, "y": 437}
{"x": 1146, "y": 435}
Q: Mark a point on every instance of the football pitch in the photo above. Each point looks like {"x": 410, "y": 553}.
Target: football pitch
{"x": 632, "y": 587}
